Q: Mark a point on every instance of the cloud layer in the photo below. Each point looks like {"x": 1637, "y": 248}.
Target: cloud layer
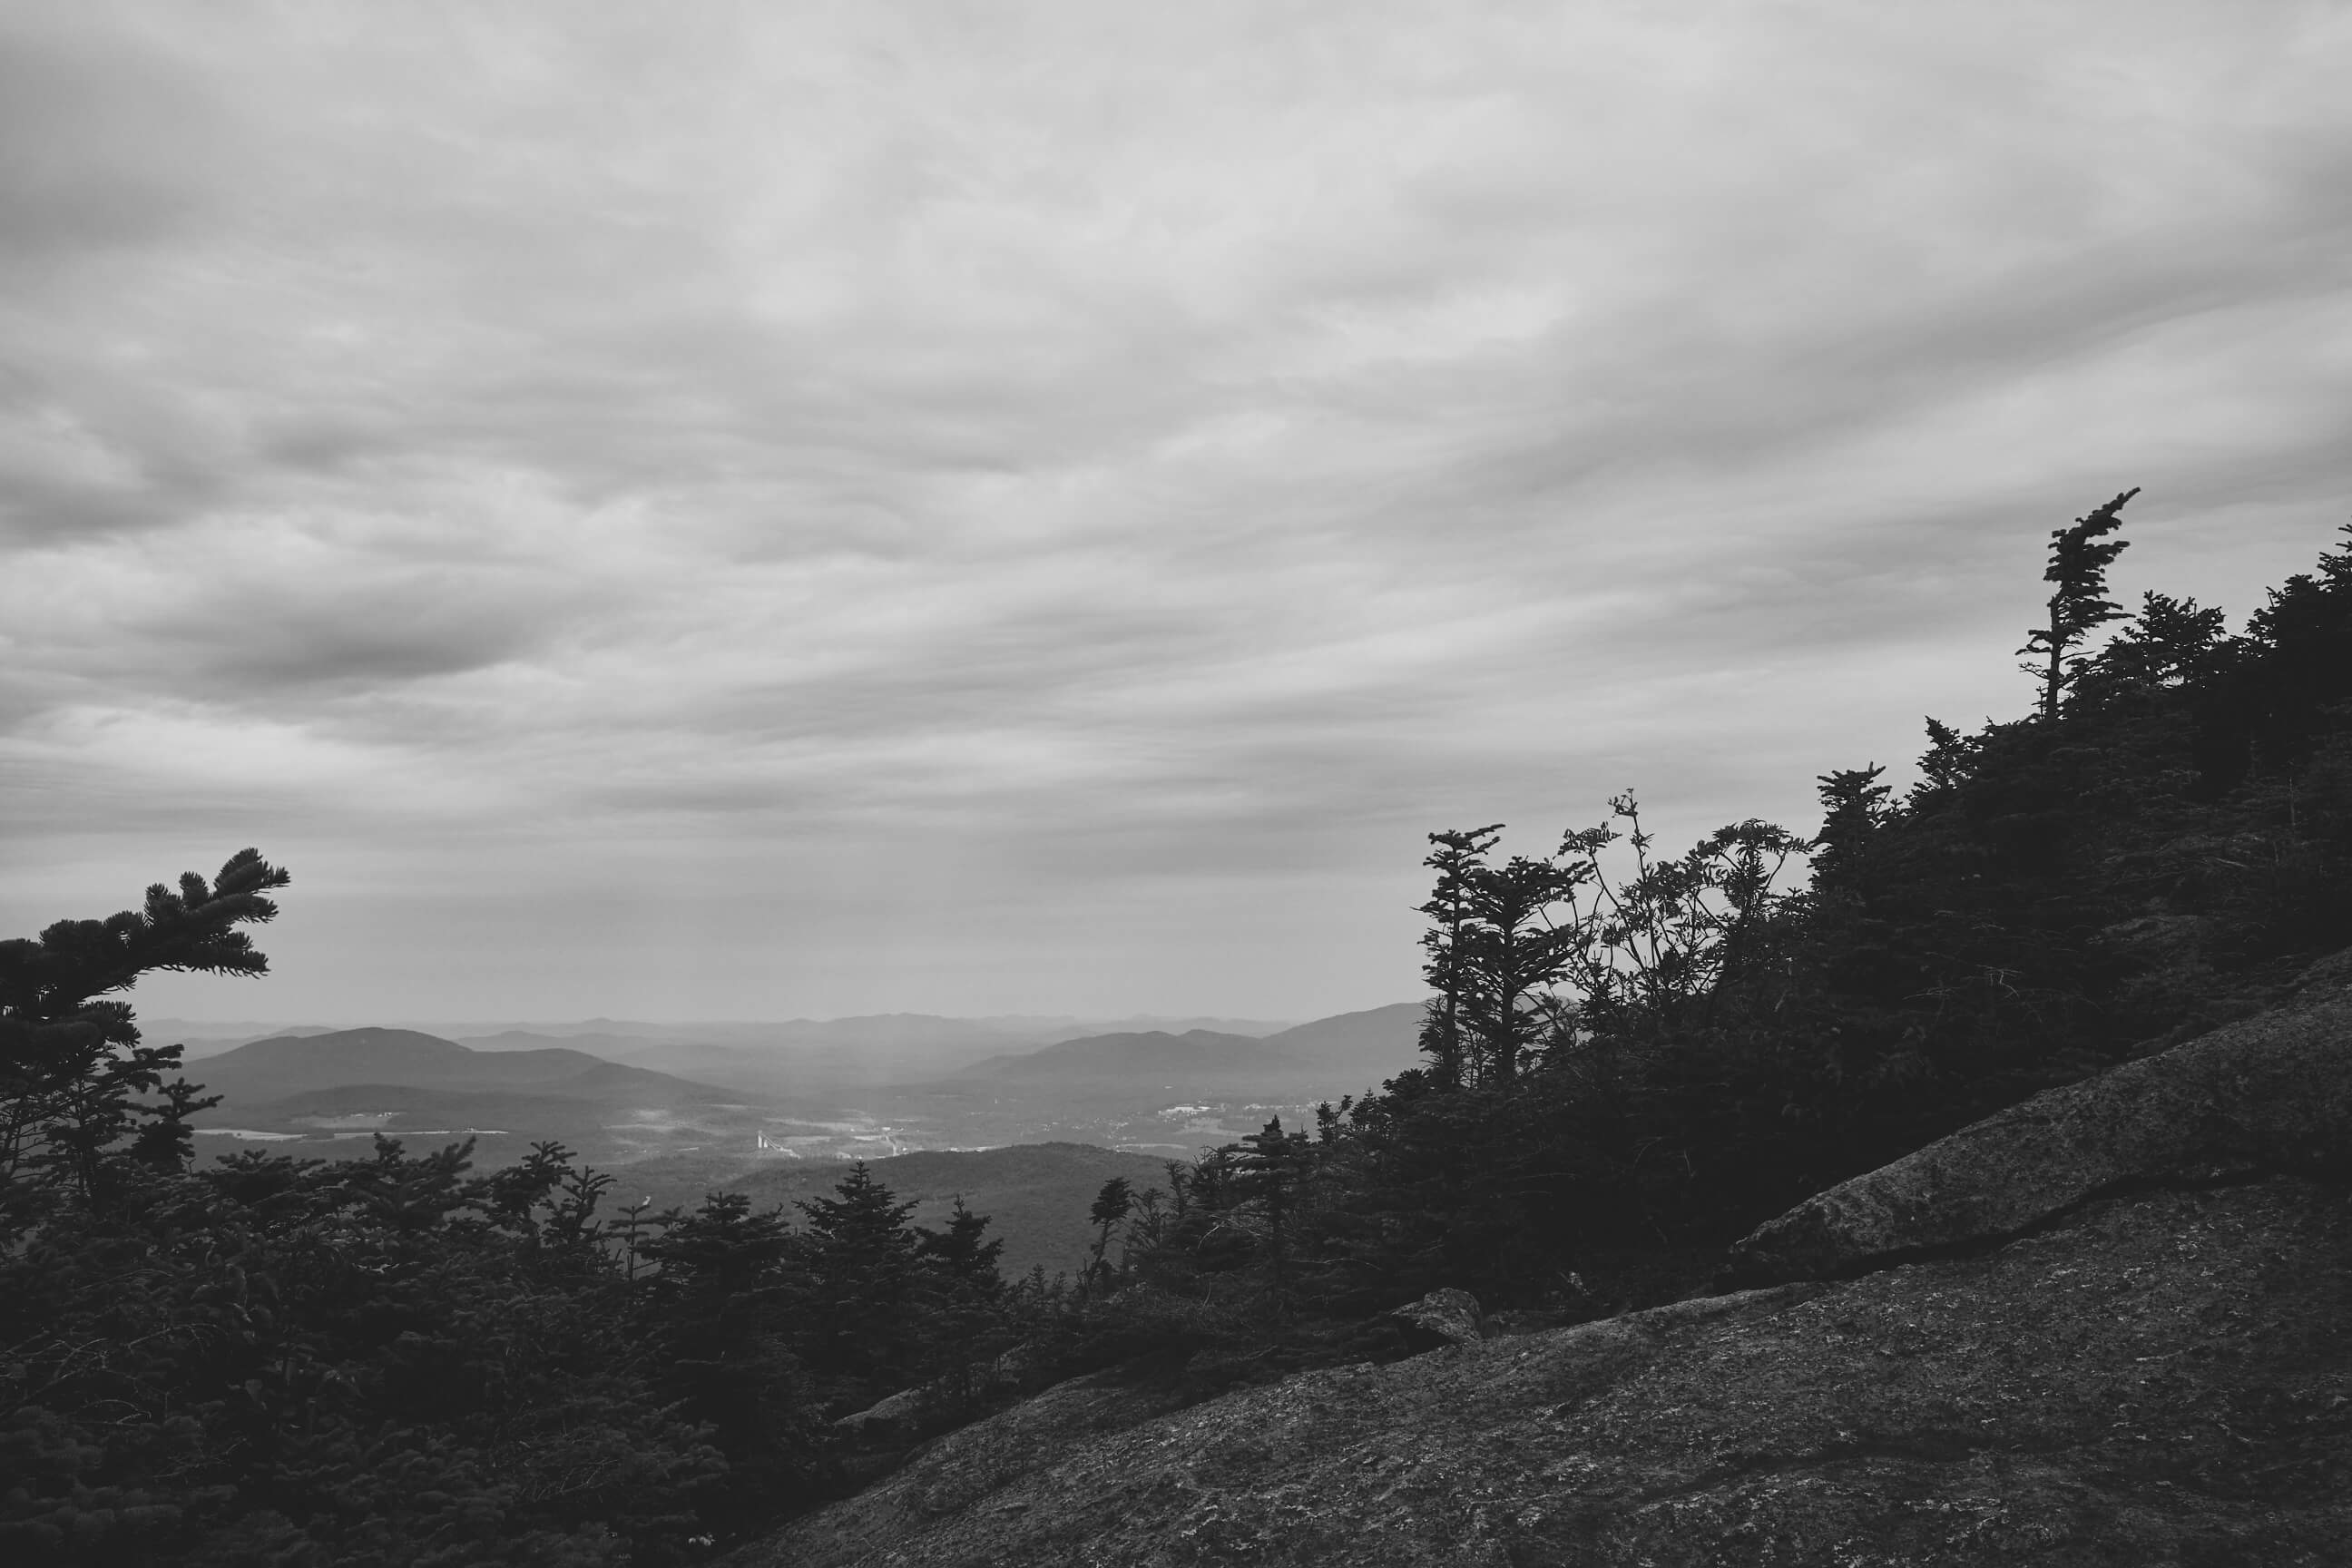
{"x": 819, "y": 507}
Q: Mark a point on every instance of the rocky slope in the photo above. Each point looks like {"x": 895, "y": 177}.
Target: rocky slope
{"x": 2112, "y": 1325}
{"x": 2272, "y": 1093}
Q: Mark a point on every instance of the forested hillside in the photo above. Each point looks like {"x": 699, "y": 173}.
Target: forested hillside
{"x": 1637, "y": 1055}
{"x": 1633, "y": 1058}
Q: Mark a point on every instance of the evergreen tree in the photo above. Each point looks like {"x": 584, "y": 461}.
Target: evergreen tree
{"x": 1947, "y": 762}
{"x": 1459, "y": 859}
{"x": 866, "y": 1294}
{"x": 725, "y": 1309}
{"x": 724, "y": 1250}
{"x": 1179, "y": 1185}
{"x": 969, "y": 1262}
{"x": 2170, "y": 642}
{"x": 72, "y": 1063}
{"x": 1508, "y": 953}
{"x": 1271, "y": 1169}
{"x": 1111, "y": 1204}
{"x": 971, "y": 1319}
{"x": 2079, "y": 558}
{"x": 1853, "y": 806}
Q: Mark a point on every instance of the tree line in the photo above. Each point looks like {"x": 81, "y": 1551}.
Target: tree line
{"x": 1632, "y": 1057}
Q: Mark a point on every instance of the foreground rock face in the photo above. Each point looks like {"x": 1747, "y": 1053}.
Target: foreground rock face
{"x": 2273, "y": 1092}
{"x": 2150, "y": 1375}
{"x": 2161, "y": 1379}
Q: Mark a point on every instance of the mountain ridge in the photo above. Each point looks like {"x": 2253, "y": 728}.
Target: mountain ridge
{"x": 1127, "y": 1051}
{"x": 1340, "y": 1054}
{"x": 280, "y": 1066}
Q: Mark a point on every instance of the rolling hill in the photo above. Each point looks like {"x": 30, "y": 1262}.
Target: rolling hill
{"x": 1329, "y": 1057}
{"x": 328, "y": 1089}
{"x": 273, "y": 1068}
{"x": 797, "y": 1057}
{"x": 750, "y": 1069}
{"x": 855, "y": 1056}
{"x": 1384, "y": 1040}
{"x": 1145, "y": 1055}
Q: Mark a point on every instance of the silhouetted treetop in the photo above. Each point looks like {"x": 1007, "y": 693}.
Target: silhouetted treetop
{"x": 2079, "y": 558}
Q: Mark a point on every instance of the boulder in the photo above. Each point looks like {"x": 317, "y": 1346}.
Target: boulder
{"x": 1441, "y": 1318}
{"x": 891, "y": 1420}
{"x": 2273, "y": 1092}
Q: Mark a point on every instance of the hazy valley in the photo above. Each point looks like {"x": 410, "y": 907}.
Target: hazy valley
{"x": 1026, "y": 1129}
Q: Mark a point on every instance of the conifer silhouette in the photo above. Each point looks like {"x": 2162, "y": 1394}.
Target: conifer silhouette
{"x": 2079, "y": 604}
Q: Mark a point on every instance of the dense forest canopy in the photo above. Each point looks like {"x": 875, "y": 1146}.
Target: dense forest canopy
{"x": 1632, "y": 1057}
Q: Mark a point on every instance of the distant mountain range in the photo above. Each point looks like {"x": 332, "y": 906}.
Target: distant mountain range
{"x": 1329, "y": 1057}
{"x": 777, "y": 1067}
{"x": 328, "y": 1089}
{"x": 885, "y": 1031}
{"x": 618, "y": 1098}
{"x": 887, "y": 1028}
{"x": 790, "y": 1056}
{"x": 732, "y": 1121}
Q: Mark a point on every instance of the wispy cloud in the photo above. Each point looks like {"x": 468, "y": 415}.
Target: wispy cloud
{"x": 806, "y": 508}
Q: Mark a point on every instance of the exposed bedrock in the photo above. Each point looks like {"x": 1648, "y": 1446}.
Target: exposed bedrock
{"x": 2095, "y": 1353}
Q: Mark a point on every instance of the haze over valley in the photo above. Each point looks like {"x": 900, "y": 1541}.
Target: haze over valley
{"x": 775, "y": 1110}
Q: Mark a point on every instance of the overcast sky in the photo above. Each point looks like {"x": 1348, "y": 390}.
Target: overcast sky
{"x": 743, "y": 512}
